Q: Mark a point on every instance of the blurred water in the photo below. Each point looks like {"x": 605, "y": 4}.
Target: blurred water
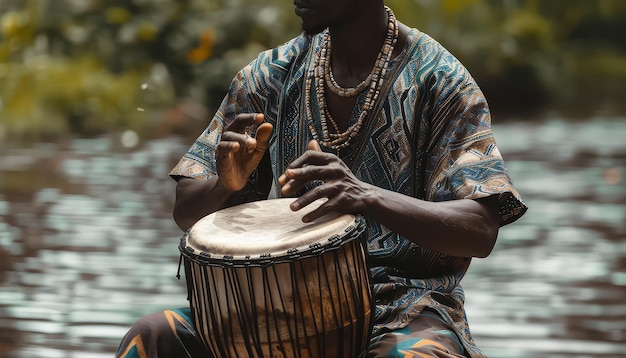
{"x": 87, "y": 245}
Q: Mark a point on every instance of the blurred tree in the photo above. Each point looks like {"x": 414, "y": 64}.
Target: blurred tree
{"x": 90, "y": 66}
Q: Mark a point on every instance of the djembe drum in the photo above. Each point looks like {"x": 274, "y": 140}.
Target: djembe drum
{"x": 262, "y": 283}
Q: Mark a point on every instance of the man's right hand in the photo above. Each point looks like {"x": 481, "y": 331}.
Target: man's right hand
{"x": 238, "y": 153}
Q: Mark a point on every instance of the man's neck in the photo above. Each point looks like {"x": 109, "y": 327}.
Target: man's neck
{"x": 356, "y": 44}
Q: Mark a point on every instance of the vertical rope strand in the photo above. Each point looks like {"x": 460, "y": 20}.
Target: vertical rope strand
{"x": 218, "y": 320}
{"x": 254, "y": 320}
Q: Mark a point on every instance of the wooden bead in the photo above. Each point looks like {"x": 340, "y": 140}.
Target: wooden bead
{"x": 321, "y": 74}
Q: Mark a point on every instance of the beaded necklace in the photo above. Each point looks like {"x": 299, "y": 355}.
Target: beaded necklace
{"x": 321, "y": 73}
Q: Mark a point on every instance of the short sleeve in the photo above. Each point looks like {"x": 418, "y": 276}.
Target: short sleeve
{"x": 199, "y": 160}
{"x": 256, "y": 88}
{"x": 464, "y": 161}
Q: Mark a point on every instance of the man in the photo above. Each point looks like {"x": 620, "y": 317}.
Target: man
{"x": 383, "y": 122}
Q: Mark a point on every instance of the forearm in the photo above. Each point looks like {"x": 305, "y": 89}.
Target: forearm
{"x": 466, "y": 227}
{"x": 197, "y": 198}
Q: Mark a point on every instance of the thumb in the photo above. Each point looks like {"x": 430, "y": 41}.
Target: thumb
{"x": 314, "y": 145}
{"x": 263, "y": 134}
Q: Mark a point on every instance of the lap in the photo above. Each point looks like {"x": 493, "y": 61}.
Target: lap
{"x": 426, "y": 336}
{"x": 171, "y": 334}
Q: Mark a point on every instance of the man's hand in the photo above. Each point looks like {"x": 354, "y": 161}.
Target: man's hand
{"x": 238, "y": 153}
{"x": 344, "y": 191}
{"x": 465, "y": 227}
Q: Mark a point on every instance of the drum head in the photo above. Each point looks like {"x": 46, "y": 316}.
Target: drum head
{"x": 266, "y": 229}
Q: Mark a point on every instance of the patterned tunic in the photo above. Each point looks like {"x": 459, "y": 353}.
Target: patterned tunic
{"x": 429, "y": 136}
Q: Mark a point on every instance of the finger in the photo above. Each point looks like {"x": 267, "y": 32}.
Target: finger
{"x": 263, "y": 134}
{"x": 292, "y": 187}
{"x": 313, "y": 157}
{"x": 283, "y": 180}
{"x": 308, "y": 159}
{"x": 225, "y": 147}
{"x": 303, "y": 175}
{"x": 228, "y": 146}
{"x": 322, "y": 210}
{"x": 244, "y": 140}
{"x": 243, "y": 121}
{"x": 308, "y": 173}
{"x": 323, "y": 173}
{"x": 318, "y": 192}
{"x": 314, "y": 145}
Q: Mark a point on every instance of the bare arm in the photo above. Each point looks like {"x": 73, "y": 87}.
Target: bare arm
{"x": 198, "y": 198}
{"x": 237, "y": 156}
{"x": 466, "y": 228}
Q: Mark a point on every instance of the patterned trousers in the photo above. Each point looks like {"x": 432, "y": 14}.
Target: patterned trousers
{"x": 171, "y": 333}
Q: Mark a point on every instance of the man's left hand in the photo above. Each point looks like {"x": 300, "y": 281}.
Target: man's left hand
{"x": 345, "y": 193}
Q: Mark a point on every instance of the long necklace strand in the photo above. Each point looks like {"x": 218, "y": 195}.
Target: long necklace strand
{"x": 321, "y": 73}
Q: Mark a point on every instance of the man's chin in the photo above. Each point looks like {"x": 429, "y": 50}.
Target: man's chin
{"x": 312, "y": 30}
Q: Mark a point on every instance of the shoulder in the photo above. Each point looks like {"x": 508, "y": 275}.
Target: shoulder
{"x": 428, "y": 55}
{"x": 275, "y": 63}
{"x": 433, "y": 67}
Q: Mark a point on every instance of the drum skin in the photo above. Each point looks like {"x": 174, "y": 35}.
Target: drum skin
{"x": 280, "y": 287}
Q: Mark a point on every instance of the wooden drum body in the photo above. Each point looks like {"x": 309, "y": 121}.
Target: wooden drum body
{"x": 264, "y": 284}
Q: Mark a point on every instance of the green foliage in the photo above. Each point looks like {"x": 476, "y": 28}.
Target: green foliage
{"x": 530, "y": 55}
{"x": 94, "y": 66}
